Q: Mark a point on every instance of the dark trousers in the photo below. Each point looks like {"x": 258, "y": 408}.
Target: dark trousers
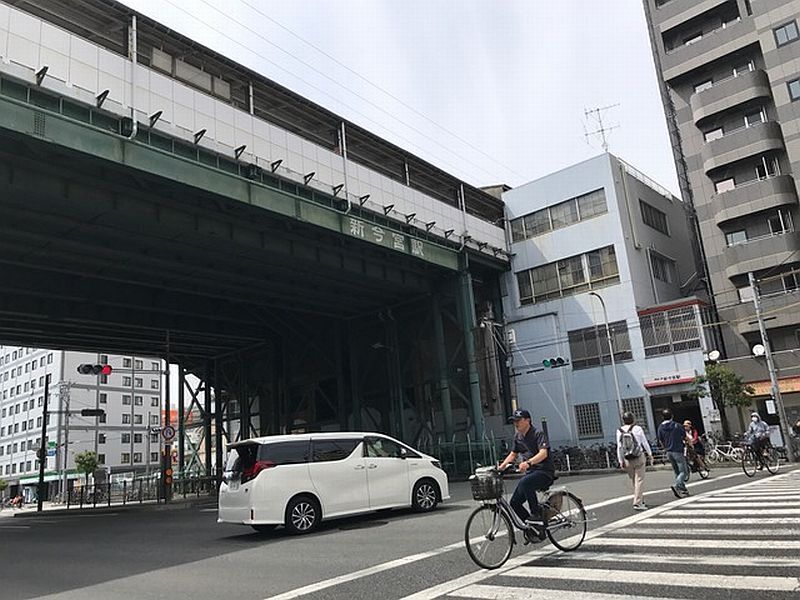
{"x": 526, "y": 491}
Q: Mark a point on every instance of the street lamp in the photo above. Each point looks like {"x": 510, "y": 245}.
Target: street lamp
{"x": 611, "y": 352}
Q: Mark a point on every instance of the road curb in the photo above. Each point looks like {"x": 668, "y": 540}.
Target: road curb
{"x": 174, "y": 505}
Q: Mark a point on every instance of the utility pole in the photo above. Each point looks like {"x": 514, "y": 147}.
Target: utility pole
{"x": 63, "y": 393}
{"x": 43, "y": 446}
{"x": 611, "y": 353}
{"x": 773, "y": 375}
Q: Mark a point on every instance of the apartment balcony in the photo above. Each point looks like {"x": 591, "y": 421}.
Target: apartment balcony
{"x": 729, "y": 93}
{"x": 782, "y": 311}
{"x": 740, "y": 144}
{"x": 754, "y": 196}
{"x": 675, "y": 12}
{"x": 714, "y": 45}
{"x": 760, "y": 253}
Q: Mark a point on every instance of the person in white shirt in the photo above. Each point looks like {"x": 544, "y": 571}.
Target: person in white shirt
{"x": 633, "y": 449}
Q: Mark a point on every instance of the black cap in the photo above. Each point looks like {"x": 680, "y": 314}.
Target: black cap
{"x": 519, "y": 414}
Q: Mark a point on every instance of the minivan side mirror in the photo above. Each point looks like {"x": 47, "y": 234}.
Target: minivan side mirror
{"x": 403, "y": 453}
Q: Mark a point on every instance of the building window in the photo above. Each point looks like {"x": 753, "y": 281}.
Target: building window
{"x": 104, "y": 359}
{"x": 126, "y": 438}
{"x": 603, "y": 269}
{"x": 137, "y": 457}
{"x": 101, "y": 438}
{"x": 589, "y": 347}
{"x": 137, "y": 419}
{"x": 154, "y": 401}
{"x": 137, "y": 400}
{"x": 138, "y": 364}
{"x": 126, "y": 400}
{"x": 126, "y": 382}
{"x": 571, "y": 275}
{"x": 794, "y": 89}
{"x": 126, "y": 419}
{"x": 153, "y": 457}
{"x": 559, "y": 215}
{"x": 125, "y": 458}
{"x": 726, "y": 185}
{"x": 705, "y": 85}
{"x": 139, "y": 382}
{"x": 653, "y": 217}
{"x": 137, "y": 438}
{"x": 126, "y": 363}
{"x": 755, "y": 118}
{"x": 545, "y": 282}
{"x": 154, "y": 384}
{"x": 736, "y": 237}
{"x": 745, "y": 294}
{"x": 155, "y": 366}
{"x": 663, "y": 268}
{"x": 101, "y": 418}
{"x": 780, "y": 223}
{"x": 153, "y": 419}
{"x": 670, "y": 331}
{"x": 587, "y": 417}
{"x": 101, "y": 458}
{"x": 636, "y": 406}
{"x": 103, "y": 398}
{"x": 768, "y": 167}
{"x": 714, "y": 134}
{"x": 786, "y": 33}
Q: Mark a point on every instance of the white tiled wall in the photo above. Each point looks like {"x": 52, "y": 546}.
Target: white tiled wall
{"x": 81, "y": 70}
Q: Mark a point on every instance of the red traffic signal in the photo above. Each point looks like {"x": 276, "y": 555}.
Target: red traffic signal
{"x": 86, "y": 369}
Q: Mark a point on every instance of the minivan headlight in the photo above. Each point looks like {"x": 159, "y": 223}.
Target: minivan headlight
{"x": 436, "y": 464}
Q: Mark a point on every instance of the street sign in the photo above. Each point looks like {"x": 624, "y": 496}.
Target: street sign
{"x": 168, "y": 432}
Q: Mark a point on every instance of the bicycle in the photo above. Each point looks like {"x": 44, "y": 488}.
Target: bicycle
{"x": 753, "y": 461}
{"x": 489, "y": 532}
{"x": 695, "y": 464}
{"x": 721, "y": 452}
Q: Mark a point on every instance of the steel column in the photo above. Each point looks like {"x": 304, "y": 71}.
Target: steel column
{"x": 466, "y": 312}
{"x": 207, "y": 417}
{"x": 441, "y": 359}
{"x": 181, "y": 420}
{"x": 218, "y": 423}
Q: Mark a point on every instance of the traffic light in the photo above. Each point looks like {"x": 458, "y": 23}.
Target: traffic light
{"x": 86, "y": 369}
{"x": 553, "y": 363}
{"x": 168, "y": 476}
{"x": 92, "y": 412}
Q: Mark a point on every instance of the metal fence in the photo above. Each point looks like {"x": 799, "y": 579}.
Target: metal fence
{"x": 135, "y": 491}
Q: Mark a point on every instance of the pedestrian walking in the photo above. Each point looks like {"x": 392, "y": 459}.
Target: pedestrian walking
{"x": 672, "y": 437}
{"x": 633, "y": 450}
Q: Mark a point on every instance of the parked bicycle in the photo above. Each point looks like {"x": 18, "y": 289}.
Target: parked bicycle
{"x": 753, "y": 460}
{"x": 489, "y": 533}
{"x": 716, "y": 452}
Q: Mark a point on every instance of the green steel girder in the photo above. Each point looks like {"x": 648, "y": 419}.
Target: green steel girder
{"x": 57, "y": 129}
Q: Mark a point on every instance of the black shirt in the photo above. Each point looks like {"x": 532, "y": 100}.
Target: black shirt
{"x": 529, "y": 445}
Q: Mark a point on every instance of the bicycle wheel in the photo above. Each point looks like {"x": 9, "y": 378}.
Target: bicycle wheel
{"x": 489, "y": 536}
{"x": 772, "y": 461}
{"x": 702, "y": 467}
{"x": 567, "y": 527}
{"x": 713, "y": 456}
{"x": 737, "y": 454}
{"x": 749, "y": 462}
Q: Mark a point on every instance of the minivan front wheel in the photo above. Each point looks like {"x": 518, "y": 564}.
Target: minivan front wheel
{"x": 302, "y": 515}
{"x": 425, "y": 495}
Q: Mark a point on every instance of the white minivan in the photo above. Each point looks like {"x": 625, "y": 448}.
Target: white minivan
{"x": 298, "y": 480}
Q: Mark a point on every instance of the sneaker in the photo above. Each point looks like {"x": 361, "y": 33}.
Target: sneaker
{"x": 684, "y": 493}
{"x": 640, "y": 506}
{"x": 675, "y": 491}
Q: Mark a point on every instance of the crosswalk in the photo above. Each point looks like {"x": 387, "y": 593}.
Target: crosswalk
{"x": 742, "y": 542}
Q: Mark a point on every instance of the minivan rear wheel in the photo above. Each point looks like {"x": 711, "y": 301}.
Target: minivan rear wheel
{"x": 425, "y": 495}
{"x": 302, "y": 515}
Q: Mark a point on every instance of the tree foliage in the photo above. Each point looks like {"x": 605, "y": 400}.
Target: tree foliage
{"x": 3, "y": 485}
{"x": 726, "y": 387}
{"x": 86, "y": 463}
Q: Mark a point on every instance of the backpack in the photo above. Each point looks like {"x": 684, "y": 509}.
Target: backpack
{"x": 630, "y": 447}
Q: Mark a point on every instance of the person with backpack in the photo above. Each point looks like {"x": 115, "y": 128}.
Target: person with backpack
{"x": 672, "y": 437}
{"x": 633, "y": 449}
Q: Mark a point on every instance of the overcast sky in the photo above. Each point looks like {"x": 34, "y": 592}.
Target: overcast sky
{"x": 489, "y": 91}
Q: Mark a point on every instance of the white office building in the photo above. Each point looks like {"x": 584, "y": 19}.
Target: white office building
{"x": 600, "y": 230}
{"x": 122, "y": 438}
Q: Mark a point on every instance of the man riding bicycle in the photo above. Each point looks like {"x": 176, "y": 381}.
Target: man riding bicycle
{"x": 537, "y": 466}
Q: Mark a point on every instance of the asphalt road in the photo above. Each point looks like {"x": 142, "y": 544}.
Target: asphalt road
{"x": 693, "y": 548}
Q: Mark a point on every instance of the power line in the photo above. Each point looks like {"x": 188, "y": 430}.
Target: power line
{"x": 384, "y": 91}
{"x": 420, "y": 150}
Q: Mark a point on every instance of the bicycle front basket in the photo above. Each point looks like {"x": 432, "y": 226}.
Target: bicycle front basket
{"x": 486, "y": 486}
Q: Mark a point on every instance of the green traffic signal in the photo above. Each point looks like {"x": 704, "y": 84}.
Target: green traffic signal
{"x": 553, "y": 363}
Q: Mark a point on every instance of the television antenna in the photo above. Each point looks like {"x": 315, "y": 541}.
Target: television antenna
{"x": 601, "y": 129}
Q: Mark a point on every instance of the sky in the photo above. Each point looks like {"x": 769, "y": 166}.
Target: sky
{"x": 491, "y": 92}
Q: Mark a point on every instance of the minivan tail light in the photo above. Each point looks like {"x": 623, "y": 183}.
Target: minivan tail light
{"x": 257, "y": 467}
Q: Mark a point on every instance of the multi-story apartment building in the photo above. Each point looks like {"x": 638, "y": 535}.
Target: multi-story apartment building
{"x": 602, "y": 228}
{"x": 122, "y": 438}
{"x": 730, "y": 77}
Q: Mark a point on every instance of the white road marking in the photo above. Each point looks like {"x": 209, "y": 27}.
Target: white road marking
{"x": 696, "y": 559}
{"x": 737, "y": 511}
{"x": 733, "y": 531}
{"x": 696, "y": 543}
{"x": 725, "y": 521}
{"x": 696, "y": 580}
{"x": 496, "y": 592}
{"x": 747, "y": 504}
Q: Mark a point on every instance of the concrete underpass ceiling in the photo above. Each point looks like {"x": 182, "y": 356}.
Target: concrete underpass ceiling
{"x": 99, "y": 258}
